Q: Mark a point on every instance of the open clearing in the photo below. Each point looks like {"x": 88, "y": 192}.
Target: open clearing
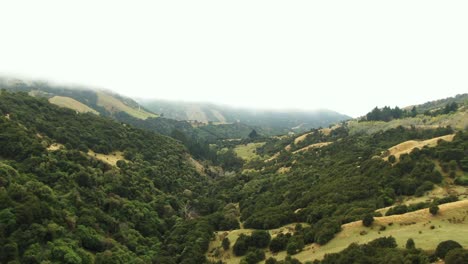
{"x": 110, "y": 158}
{"x": 313, "y": 146}
{"x": 114, "y": 105}
{"x": 228, "y": 256}
{"x": 426, "y": 230}
{"x": 249, "y": 151}
{"x": 408, "y": 146}
{"x": 71, "y": 103}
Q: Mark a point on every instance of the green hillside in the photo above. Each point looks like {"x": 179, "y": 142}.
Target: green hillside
{"x": 84, "y": 188}
{"x": 65, "y": 206}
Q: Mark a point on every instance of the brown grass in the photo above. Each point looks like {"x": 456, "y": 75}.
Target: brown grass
{"x": 54, "y": 147}
{"x": 313, "y": 146}
{"x": 408, "y": 146}
{"x": 110, "y": 158}
{"x": 71, "y": 103}
{"x": 114, "y": 105}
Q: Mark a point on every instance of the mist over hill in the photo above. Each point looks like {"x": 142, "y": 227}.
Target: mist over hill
{"x": 295, "y": 120}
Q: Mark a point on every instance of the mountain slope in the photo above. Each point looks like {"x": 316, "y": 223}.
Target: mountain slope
{"x": 206, "y": 112}
{"x": 61, "y": 203}
{"x": 105, "y": 103}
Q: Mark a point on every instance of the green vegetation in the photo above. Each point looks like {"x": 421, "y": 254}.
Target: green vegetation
{"x": 380, "y": 250}
{"x": 65, "y": 205}
{"x": 446, "y": 246}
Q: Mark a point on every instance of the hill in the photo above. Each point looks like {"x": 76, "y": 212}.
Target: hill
{"x": 103, "y": 102}
{"x": 279, "y": 121}
{"x": 80, "y": 188}
{"x": 84, "y": 188}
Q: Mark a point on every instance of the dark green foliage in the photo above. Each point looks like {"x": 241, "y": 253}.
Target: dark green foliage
{"x": 260, "y": 239}
{"x": 456, "y": 256}
{"x": 446, "y": 246}
{"x": 386, "y": 114}
{"x": 226, "y": 243}
{"x": 279, "y": 242}
{"x": 242, "y": 245}
{"x": 63, "y": 206}
{"x": 254, "y": 256}
{"x": 433, "y": 209}
{"x": 368, "y": 220}
{"x": 410, "y": 244}
{"x": 253, "y": 134}
{"x": 381, "y": 250}
{"x": 295, "y": 245}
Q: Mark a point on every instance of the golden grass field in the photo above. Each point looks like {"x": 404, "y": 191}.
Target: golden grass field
{"x": 114, "y": 105}
{"x": 71, "y": 103}
{"x": 408, "y": 146}
{"x": 425, "y": 229}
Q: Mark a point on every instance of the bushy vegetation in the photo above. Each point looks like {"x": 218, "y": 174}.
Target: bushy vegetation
{"x": 64, "y": 206}
{"x": 380, "y": 250}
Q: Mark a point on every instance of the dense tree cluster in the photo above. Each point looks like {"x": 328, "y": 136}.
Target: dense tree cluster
{"x": 387, "y": 114}
{"x": 65, "y": 206}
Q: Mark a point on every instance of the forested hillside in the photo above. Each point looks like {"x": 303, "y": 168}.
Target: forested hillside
{"x": 65, "y": 206}
{"x": 82, "y": 188}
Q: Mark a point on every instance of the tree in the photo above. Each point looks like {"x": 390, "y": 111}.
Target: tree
{"x": 241, "y": 245}
{"x": 410, "y": 244}
{"x": 434, "y": 209}
{"x": 367, "y": 220}
{"x": 260, "y": 239}
{"x": 226, "y": 243}
{"x": 445, "y": 246}
{"x": 456, "y": 256}
{"x": 253, "y": 134}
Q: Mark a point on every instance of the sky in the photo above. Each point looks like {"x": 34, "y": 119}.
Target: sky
{"x": 347, "y": 56}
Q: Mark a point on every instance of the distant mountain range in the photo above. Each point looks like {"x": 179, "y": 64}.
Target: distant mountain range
{"x": 294, "y": 120}
{"x": 210, "y": 120}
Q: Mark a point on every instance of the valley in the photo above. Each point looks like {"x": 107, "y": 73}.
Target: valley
{"x": 93, "y": 177}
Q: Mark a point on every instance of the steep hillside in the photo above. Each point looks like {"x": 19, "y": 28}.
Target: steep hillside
{"x": 105, "y": 103}
{"x": 78, "y": 188}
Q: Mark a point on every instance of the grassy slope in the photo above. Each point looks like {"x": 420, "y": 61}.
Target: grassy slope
{"x": 408, "y": 146}
{"x": 113, "y": 105}
{"x": 71, "y": 103}
{"x": 248, "y": 152}
{"x": 450, "y": 223}
{"x": 458, "y": 120}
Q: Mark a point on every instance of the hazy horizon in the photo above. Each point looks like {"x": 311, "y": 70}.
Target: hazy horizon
{"x": 343, "y": 56}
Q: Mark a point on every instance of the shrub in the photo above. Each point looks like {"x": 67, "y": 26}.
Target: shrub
{"x": 445, "y": 246}
{"x": 410, "y": 244}
{"x": 433, "y": 209}
{"x": 367, "y": 220}
{"x": 226, "y": 243}
{"x": 456, "y": 256}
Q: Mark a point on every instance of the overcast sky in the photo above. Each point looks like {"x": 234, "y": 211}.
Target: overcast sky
{"x": 348, "y": 56}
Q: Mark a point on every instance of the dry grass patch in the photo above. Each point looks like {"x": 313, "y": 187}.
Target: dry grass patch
{"x": 71, "y": 103}
{"x": 114, "y": 105}
{"x": 110, "y": 158}
{"x": 55, "y": 146}
{"x": 313, "y": 146}
{"x": 408, "y": 146}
